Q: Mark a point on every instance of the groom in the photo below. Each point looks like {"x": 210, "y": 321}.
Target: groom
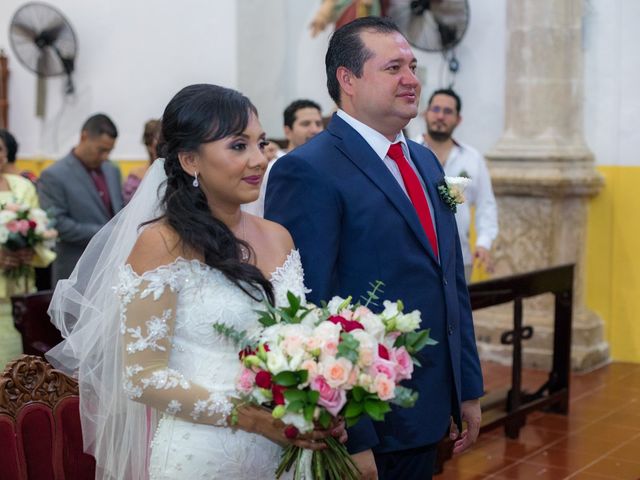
{"x": 362, "y": 204}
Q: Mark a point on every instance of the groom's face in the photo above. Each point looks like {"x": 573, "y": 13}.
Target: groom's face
{"x": 387, "y": 94}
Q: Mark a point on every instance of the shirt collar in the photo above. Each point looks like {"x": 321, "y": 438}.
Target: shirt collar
{"x": 378, "y": 142}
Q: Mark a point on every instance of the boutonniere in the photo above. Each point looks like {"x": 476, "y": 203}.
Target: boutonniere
{"x": 452, "y": 191}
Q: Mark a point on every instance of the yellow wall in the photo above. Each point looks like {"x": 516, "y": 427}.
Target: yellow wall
{"x": 613, "y": 260}
{"x": 612, "y": 285}
{"x": 36, "y": 165}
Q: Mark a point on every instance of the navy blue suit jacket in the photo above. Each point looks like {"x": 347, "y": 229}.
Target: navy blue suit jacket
{"x": 353, "y": 225}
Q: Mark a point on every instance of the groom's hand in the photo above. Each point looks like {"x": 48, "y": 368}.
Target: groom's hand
{"x": 471, "y": 414}
{"x": 366, "y": 464}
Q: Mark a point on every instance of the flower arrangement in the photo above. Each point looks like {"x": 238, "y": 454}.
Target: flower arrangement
{"x": 312, "y": 364}
{"x": 24, "y": 227}
{"x": 452, "y": 191}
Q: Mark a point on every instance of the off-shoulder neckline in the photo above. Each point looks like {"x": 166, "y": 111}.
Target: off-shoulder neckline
{"x": 293, "y": 255}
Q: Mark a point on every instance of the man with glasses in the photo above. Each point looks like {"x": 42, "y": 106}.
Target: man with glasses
{"x": 442, "y": 116}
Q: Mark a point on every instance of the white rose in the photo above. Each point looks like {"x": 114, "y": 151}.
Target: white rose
{"x": 4, "y": 235}
{"x": 6, "y": 216}
{"x": 298, "y": 421}
{"x": 334, "y": 305}
{"x": 276, "y": 361}
{"x": 373, "y": 325}
{"x": 327, "y": 331}
{"x": 408, "y": 322}
{"x": 459, "y": 182}
{"x": 390, "y": 310}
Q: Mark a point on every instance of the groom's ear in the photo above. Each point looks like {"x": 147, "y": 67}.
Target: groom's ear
{"x": 189, "y": 162}
{"x": 345, "y": 78}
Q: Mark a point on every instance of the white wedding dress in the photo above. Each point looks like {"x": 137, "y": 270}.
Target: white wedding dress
{"x": 176, "y": 363}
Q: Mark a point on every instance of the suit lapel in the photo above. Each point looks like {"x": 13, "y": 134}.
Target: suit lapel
{"x": 356, "y": 149}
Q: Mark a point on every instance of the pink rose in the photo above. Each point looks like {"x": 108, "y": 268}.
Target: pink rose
{"x": 12, "y": 226}
{"x": 336, "y": 372}
{"x": 333, "y": 399}
{"x": 385, "y": 388}
{"x": 384, "y": 367}
{"x": 404, "y": 363}
{"x": 246, "y": 381}
{"x": 23, "y": 226}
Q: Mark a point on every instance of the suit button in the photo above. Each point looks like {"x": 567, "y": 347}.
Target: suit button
{"x": 450, "y": 328}
{"x": 444, "y": 280}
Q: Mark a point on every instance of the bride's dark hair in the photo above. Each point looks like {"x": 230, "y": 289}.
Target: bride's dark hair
{"x": 200, "y": 114}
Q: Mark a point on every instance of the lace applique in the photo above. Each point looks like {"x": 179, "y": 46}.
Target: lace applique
{"x": 130, "y": 389}
{"x": 157, "y": 329}
{"x": 174, "y": 407}
{"x": 165, "y": 379}
{"x": 289, "y": 277}
{"x": 216, "y": 404}
{"x": 128, "y": 286}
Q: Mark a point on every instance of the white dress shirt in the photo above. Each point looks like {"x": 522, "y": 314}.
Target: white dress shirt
{"x": 466, "y": 161}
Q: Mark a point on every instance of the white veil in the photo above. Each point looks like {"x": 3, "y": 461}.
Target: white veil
{"x": 86, "y": 309}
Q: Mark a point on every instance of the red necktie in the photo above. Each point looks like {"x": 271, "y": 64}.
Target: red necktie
{"x": 416, "y": 193}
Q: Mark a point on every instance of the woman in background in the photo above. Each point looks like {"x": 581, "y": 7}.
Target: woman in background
{"x": 15, "y": 189}
{"x": 150, "y": 140}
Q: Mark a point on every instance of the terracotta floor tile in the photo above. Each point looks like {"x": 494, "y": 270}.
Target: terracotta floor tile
{"x": 619, "y": 469}
{"x": 606, "y": 431}
{"x": 559, "y": 423}
{"x": 533, "y": 471}
{"x": 480, "y": 462}
{"x": 623, "y": 420}
{"x": 629, "y": 451}
{"x": 578, "y": 443}
{"x": 451, "y": 474}
{"x": 598, "y": 440}
{"x": 565, "y": 459}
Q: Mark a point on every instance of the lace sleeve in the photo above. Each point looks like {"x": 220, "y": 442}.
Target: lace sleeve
{"x": 147, "y": 319}
{"x": 289, "y": 278}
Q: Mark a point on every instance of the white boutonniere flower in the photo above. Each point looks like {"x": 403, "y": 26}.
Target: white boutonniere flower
{"x": 452, "y": 191}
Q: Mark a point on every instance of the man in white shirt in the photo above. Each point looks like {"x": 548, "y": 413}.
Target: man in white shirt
{"x": 302, "y": 121}
{"x": 442, "y": 116}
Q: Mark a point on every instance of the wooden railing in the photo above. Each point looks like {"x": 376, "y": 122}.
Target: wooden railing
{"x": 509, "y": 407}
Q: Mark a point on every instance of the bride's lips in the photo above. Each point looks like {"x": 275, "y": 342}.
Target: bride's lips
{"x": 253, "y": 179}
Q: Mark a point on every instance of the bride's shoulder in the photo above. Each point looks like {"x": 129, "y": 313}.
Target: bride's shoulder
{"x": 157, "y": 245}
{"x": 274, "y": 233}
{"x": 275, "y": 243}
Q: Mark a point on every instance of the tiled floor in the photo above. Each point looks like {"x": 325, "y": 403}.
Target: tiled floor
{"x": 600, "y": 439}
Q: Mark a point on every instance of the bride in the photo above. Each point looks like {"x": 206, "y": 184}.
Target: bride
{"x": 157, "y": 383}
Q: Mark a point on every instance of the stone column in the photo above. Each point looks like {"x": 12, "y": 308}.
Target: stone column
{"x": 543, "y": 175}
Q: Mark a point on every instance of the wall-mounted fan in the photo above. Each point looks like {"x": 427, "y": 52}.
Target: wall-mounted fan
{"x": 431, "y": 25}
{"x": 44, "y": 42}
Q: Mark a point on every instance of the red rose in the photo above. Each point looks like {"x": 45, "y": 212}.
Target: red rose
{"x": 291, "y": 432}
{"x": 347, "y": 325}
{"x": 266, "y": 347}
{"x": 245, "y": 352}
{"x": 383, "y": 352}
{"x": 32, "y": 224}
{"x": 278, "y": 394}
{"x": 263, "y": 379}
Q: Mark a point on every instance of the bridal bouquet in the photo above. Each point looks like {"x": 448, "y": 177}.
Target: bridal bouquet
{"x": 24, "y": 227}
{"x": 312, "y": 364}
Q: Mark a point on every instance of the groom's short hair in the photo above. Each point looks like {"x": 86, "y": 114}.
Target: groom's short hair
{"x": 346, "y": 49}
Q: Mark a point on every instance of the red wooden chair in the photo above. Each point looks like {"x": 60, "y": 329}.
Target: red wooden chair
{"x": 31, "y": 320}
{"x": 40, "y": 432}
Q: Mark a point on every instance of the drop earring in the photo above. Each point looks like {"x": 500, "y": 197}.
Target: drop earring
{"x": 195, "y": 183}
